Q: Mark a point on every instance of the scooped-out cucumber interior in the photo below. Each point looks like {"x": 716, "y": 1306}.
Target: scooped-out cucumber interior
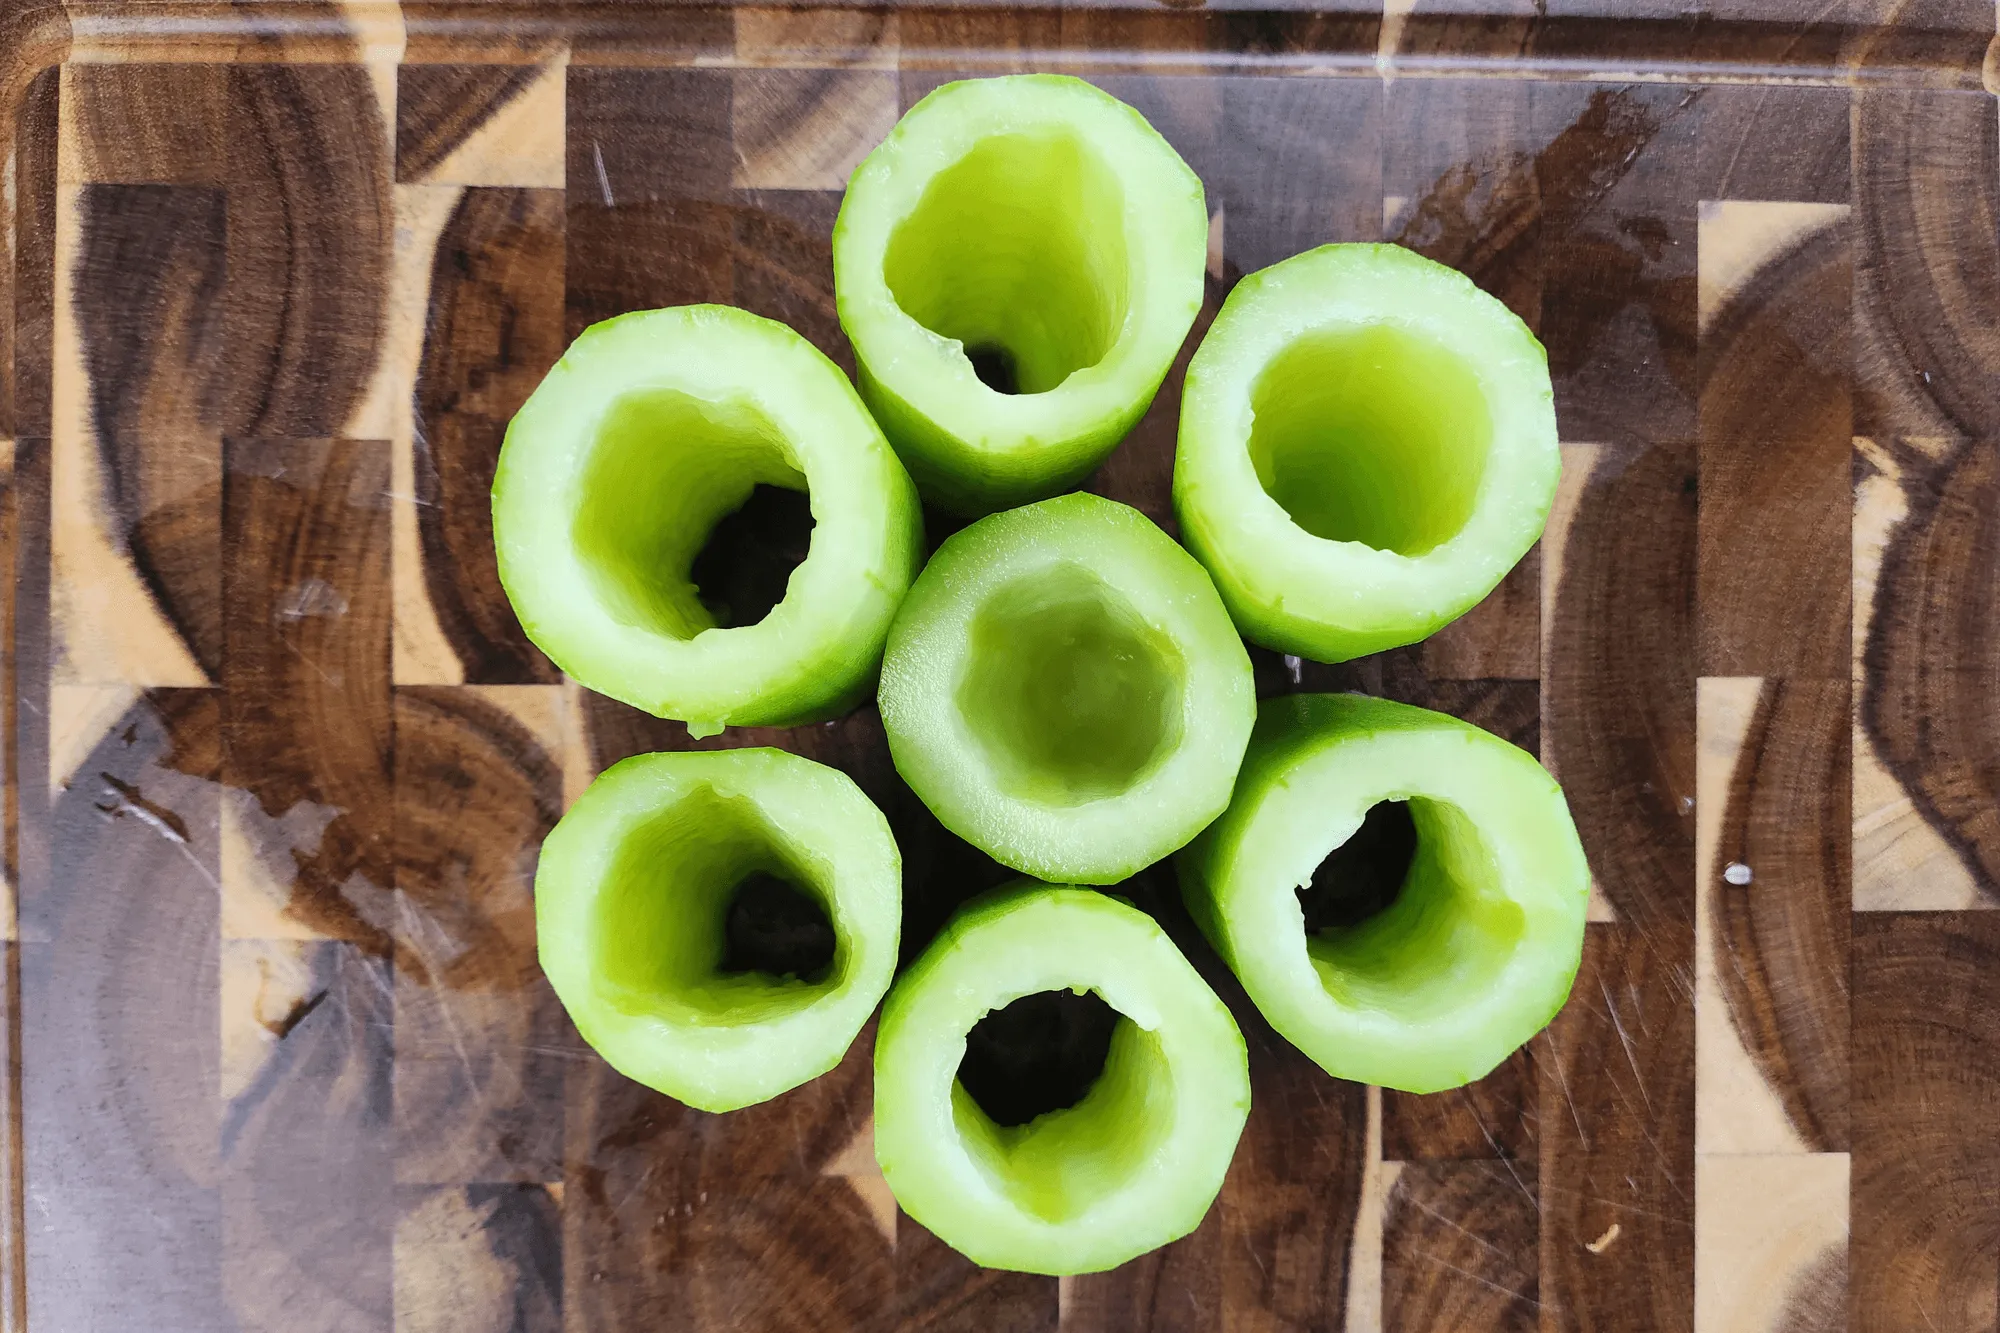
{"x": 1017, "y": 251}
{"x": 1372, "y": 435}
{"x": 706, "y": 916}
{"x": 1069, "y": 692}
{"x": 666, "y": 469}
{"x": 1410, "y": 918}
{"x": 1060, "y": 1099}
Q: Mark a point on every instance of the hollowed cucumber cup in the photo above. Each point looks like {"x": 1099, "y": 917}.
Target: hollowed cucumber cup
{"x": 652, "y": 428}
{"x": 1039, "y": 228}
{"x": 1064, "y": 690}
{"x": 639, "y": 903}
{"x": 1131, "y": 1166}
{"x": 1481, "y": 937}
{"x": 1367, "y": 446}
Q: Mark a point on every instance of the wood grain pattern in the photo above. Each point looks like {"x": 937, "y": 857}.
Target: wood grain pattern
{"x": 1290, "y": 1200}
{"x": 28, "y": 372}
{"x": 306, "y": 702}
{"x": 1617, "y": 1125}
{"x": 479, "y": 1257}
{"x": 1776, "y": 440}
{"x": 481, "y": 1040}
{"x": 1175, "y": 1289}
{"x": 280, "y": 1049}
{"x": 1773, "y": 142}
{"x": 158, "y": 249}
{"x": 1616, "y": 238}
{"x": 119, "y": 1002}
{"x": 1459, "y": 1250}
{"x": 1926, "y": 997}
{"x": 1496, "y": 1117}
{"x": 1618, "y": 677}
{"x": 440, "y": 107}
{"x": 1771, "y": 1244}
{"x": 304, "y": 156}
{"x": 665, "y": 1207}
{"x": 316, "y": 1123}
{"x": 1925, "y": 259}
{"x": 940, "y": 1291}
{"x": 1778, "y": 944}
{"x": 1927, "y": 700}
{"x": 495, "y": 326}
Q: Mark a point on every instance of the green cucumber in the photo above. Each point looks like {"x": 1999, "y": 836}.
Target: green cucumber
{"x": 1477, "y": 947}
{"x": 1131, "y": 1166}
{"x": 653, "y": 428}
{"x": 1064, "y": 690}
{"x": 1367, "y": 446}
{"x": 1039, "y": 231}
{"x": 662, "y": 870}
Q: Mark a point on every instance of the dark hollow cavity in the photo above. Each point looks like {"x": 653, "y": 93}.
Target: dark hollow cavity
{"x": 1363, "y": 875}
{"x": 744, "y": 567}
{"x": 1040, "y": 1054}
{"x": 773, "y": 927}
{"x": 995, "y": 368}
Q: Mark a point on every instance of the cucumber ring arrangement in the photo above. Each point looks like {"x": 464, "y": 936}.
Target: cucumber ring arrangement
{"x": 1367, "y": 445}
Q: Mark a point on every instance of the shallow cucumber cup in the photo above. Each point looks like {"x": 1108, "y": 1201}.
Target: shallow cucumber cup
{"x": 1401, "y": 893}
{"x": 1138, "y": 1157}
{"x": 1367, "y": 446}
{"x": 721, "y": 924}
{"x": 1027, "y": 232}
{"x": 650, "y": 432}
{"x": 1064, "y": 690}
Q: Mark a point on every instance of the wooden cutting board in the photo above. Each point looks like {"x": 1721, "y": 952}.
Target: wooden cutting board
{"x": 278, "y": 757}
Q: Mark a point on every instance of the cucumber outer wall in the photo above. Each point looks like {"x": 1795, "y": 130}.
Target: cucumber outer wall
{"x": 1315, "y": 765}
{"x": 815, "y": 655}
{"x": 1327, "y": 600}
{"x": 1021, "y": 940}
{"x": 823, "y": 818}
{"x": 1103, "y": 841}
{"x": 971, "y": 449}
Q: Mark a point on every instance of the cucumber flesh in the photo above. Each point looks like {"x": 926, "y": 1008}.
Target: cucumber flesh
{"x": 638, "y": 447}
{"x": 720, "y": 924}
{"x": 1367, "y": 446}
{"x": 1016, "y": 266}
{"x": 1431, "y": 980}
{"x": 1134, "y": 1163}
{"x": 1064, "y": 690}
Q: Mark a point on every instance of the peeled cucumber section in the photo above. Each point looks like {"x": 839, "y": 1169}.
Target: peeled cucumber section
{"x": 672, "y": 864}
{"x": 1064, "y": 690}
{"x": 1481, "y": 935}
{"x": 1039, "y": 231}
{"x": 1131, "y": 1166}
{"x": 654, "y": 428}
{"x": 1367, "y": 446}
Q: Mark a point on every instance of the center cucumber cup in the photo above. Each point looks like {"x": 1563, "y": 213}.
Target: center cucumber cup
{"x": 1115, "y": 1170}
{"x": 720, "y": 924}
{"x": 1367, "y": 446}
{"x": 618, "y": 477}
{"x": 1016, "y": 266}
{"x": 1400, "y": 893}
{"x": 1064, "y": 690}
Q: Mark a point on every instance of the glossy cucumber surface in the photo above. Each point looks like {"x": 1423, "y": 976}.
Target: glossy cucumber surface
{"x": 633, "y": 897}
{"x": 652, "y": 429}
{"x": 1064, "y": 690}
{"x": 1479, "y": 939}
{"x": 1016, "y": 265}
{"x": 1134, "y": 1164}
{"x": 1367, "y": 446}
